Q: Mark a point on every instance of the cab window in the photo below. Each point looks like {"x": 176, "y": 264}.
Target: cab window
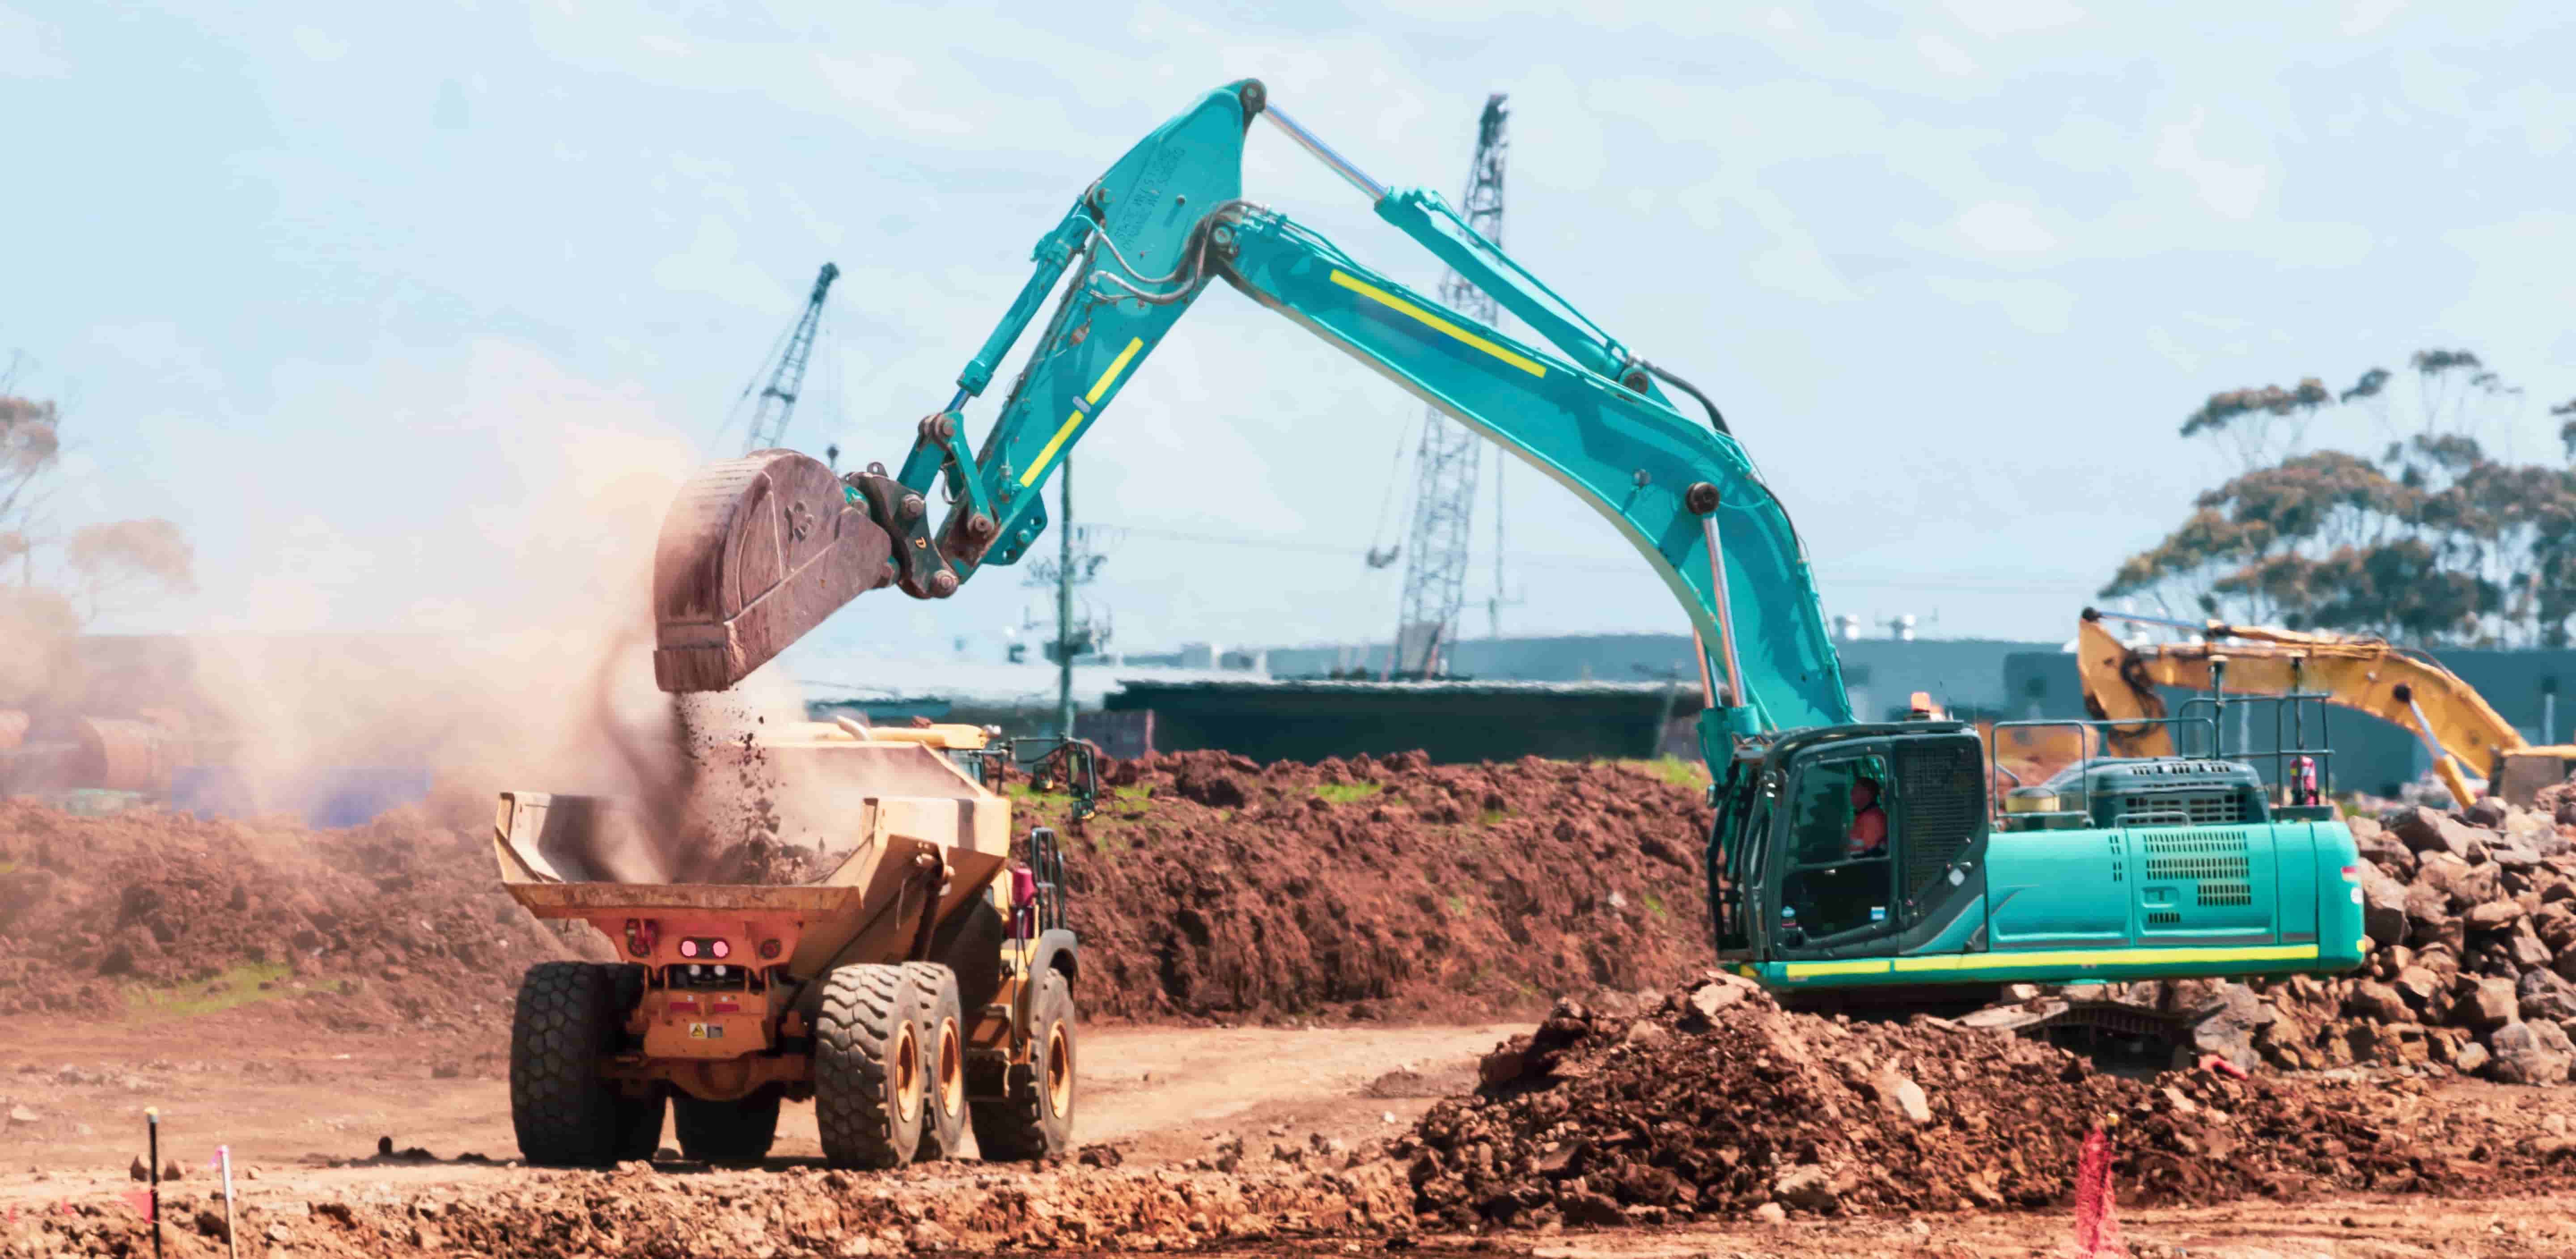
{"x": 1839, "y": 877}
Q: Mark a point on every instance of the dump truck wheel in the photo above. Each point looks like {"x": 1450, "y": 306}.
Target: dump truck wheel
{"x": 565, "y": 1114}
{"x": 869, "y": 1081}
{"x": 739, "y": 1131}
{"x": 943, "y": 1060}
{"x": 1033, "y": 1118}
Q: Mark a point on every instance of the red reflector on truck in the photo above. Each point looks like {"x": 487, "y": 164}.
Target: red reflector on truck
{"x": 2352, "y": 873}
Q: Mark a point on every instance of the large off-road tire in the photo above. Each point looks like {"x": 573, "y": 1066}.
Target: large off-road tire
{"x": 943, "y": 1060}
{"x": 1033, "y": 1118}
{"x": 567, "y": 1019}
{"x": 869, "y": 1079}
{"x": 739, "y": 1131}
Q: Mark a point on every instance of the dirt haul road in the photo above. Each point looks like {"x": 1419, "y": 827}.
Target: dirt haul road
{"x": 285, "y": 1103}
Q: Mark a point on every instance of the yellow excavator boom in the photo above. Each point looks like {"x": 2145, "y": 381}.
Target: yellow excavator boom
{"x": 2459, "y": 728}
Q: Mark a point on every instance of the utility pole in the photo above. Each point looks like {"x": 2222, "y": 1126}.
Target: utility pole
{"x": 1435, "y": 571}
{"x": 1064, "y": 601}
{"x": 787, "y": 378}
{"x": 1076, "y": 562}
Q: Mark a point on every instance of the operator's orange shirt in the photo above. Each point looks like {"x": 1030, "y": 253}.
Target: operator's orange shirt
{"x": 1868, "y": 832}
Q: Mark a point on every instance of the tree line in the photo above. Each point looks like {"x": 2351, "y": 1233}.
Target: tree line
{"x": 2431, "y": 538}
{"x": 56, "y": 581}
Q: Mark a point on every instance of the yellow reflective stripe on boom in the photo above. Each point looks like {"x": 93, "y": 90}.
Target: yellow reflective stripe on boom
{"x": 1392, "y": 302}
{"x": 1074, "y": 421}
{"x": 2018, "y": 959}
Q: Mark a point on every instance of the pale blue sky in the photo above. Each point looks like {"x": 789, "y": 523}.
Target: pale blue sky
{"x": 334, "y": 286}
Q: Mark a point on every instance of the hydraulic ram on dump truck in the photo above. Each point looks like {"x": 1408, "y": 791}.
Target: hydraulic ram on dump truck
{"x": 1845, "y": 856}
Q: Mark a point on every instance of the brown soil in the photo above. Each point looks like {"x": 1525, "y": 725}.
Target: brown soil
{"x": 1207, "y": 887}
{"x": 1716, "y": 1103}
{"x": 1212, "y": 887}
{"x": 1235, "y": 1140}
{"x": 400, "y": 923}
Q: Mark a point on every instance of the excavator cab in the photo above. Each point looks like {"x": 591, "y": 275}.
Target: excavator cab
{"x": 2111, "y": 868}
{"x": 1846, "y": 838}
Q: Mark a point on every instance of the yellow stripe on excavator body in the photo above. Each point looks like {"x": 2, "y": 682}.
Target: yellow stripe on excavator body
{"x": 2030, "y": 959}
{"x": 1392, "y": 302}
{"x": 1099, "y": 388}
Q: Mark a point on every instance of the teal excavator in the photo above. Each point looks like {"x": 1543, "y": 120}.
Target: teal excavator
{"x": 1871, "y": 862}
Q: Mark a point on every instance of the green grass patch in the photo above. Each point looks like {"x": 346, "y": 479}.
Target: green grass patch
{"x": 1457, "y": 905}
{"x": 237, "y": 986}
{"x": 1654, "y": 904}
{"x": 1025, "y": 794}
{"x": 1132, "y": 791}
{"x": 1491, "y": 816}
{"x": 1347, "y": 793}
{"x": 1671, "y": 769}
{"x": 8, "y": 867}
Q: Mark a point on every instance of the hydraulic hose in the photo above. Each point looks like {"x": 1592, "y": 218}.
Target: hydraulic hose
{"x": 1715, "y": 420}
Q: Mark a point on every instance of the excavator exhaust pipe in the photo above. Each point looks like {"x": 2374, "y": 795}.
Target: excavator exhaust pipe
{"x": 754, "y": 554}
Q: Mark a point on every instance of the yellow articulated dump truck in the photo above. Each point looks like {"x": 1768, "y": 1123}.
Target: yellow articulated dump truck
{"x": 922, "y": 985}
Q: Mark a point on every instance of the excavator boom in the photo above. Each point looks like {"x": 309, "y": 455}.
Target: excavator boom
{"x": 762, "y": 549}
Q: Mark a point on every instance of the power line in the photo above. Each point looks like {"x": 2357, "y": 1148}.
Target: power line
{"x": 1595, "y": 564}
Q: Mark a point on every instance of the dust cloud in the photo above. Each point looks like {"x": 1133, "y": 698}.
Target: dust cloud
{"x": 508, "y": 647}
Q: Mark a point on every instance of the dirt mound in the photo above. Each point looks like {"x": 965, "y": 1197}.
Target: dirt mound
{"x": 638, "y": 1212}
{"x": 1207, "y": 887}
{"x": 1717, "y": 1103}
{"x": 400, "y": 923}
{"x": 1210, "y": 886}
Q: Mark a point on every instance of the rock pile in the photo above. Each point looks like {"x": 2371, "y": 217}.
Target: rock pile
{"x": 2472, "y": 919}
{"x": 1715, "y": 1102}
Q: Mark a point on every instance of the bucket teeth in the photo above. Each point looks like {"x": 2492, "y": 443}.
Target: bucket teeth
{"x": 754, "y": 554}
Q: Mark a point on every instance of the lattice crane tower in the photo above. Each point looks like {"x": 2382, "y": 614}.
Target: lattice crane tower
{"x": 1444, "y": 504}
{"x": 787, "y": 379}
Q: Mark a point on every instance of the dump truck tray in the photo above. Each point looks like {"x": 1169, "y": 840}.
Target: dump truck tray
{"x": 558, "y": 857}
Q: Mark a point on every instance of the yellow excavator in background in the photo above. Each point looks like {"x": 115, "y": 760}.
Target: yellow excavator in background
{"x": 2460, "y": 730}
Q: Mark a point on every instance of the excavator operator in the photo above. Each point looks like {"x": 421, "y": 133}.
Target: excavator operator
{"x": 1868, "y": 837}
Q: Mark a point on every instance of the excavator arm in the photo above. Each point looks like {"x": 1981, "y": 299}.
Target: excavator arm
{"x": 759, "y": 551}
{"x": 2460, "y": 731}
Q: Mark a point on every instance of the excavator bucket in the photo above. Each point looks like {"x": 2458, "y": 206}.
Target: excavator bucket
{"x": 755, "y": 553}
